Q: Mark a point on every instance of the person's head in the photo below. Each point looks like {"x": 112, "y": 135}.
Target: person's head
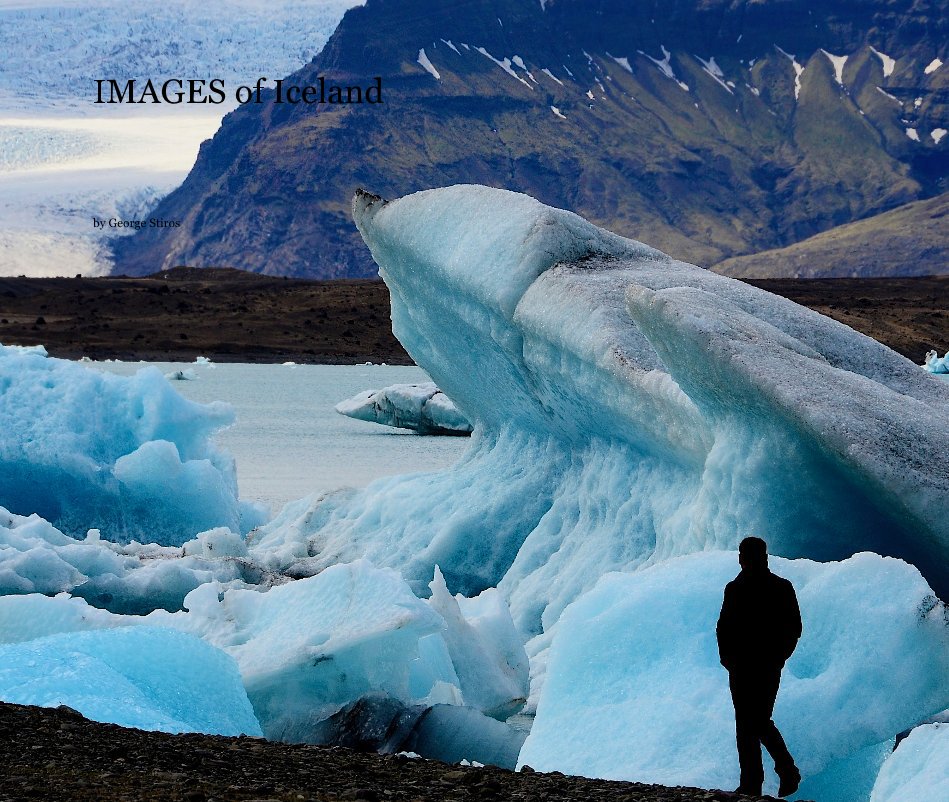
{"x": 753, "y": 553}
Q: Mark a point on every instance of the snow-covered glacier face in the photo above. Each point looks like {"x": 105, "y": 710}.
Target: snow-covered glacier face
{"x": 628, "y": 408}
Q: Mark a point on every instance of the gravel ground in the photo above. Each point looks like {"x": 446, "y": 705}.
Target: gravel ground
{"x": 59, "y": 755}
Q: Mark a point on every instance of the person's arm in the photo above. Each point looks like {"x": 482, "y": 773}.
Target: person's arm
{"x": 794, "y": 627}
{"x": 724, "y": 630}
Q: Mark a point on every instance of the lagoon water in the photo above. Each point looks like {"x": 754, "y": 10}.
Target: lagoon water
{"x": 289, "y": 441}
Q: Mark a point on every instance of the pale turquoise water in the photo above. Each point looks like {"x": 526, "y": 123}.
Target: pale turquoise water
{"x": 290, "y": 442}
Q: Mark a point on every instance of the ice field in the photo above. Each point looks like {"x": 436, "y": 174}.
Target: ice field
{"x": 58, "y": 170}
{"x": 65, "y": 159}
{"x": 634, "y": 418}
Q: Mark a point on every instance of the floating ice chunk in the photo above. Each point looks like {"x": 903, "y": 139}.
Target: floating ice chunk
{"x": 485, "y": 649}
{"x": 34, "y": 349}
{"x": 419, "y": 407}
{"x": 933, "y": 65}
{"x": 185, "y": 375}
{"x": 888, "y": 63}
{"x": 838, "y": 63}
{"x": 918, "y": 769}
{"x": 936, "y": 364}
{"x": 913, "y": 134}
{"x": 557, "y": 113}
{"x": 623, "y": 62}
{"x": 35, "y": 557}
{"x": 634, "y": 688}
{"x": 798, "y": 71}
{"x": 202, "y": 360}
{"x": 665, "y": 65}
{"x": 937, "y": 134}
{"x": 143, "y": 677}
{"x": 427, "y": 65}
{"x": 220, "y": 542}
{"x": 127, "y": 455}
{"x": 449, "y": 43}
{"x": 549, "y": 74}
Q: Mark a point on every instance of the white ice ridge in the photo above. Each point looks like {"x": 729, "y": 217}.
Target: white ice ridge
{"x": 838, "y": 63}
{"x": 798, "y": 71}
{"x": 918, "y": 769}
{"x": 427, "y": 65}
{"x": 627, "y": 408}
{"x": 635, "y": 691}
{"x": 420, "y": 407}
{"x": 888, "y": 63}
{"x": 127, "y": 455}
{"x": 665, "y": 65}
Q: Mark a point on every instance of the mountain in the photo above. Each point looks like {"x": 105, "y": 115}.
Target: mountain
{"x": 711, "y": 129}
{"x": 911, "y": 240}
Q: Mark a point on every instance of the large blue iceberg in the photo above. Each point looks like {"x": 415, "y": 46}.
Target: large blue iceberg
{"x": 628, "y": 408}
{"x": 128, "y": 456}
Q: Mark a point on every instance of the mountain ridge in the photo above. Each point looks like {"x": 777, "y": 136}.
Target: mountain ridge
{"x": 706, "y": 155}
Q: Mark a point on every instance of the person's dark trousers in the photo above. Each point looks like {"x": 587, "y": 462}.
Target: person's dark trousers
{"x": 753, "y": 693}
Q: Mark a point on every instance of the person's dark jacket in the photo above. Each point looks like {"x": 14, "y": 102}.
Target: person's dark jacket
{"x": 760, "y": 622}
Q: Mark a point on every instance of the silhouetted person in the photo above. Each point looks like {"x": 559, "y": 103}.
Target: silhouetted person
{"x": 758, "y": 629}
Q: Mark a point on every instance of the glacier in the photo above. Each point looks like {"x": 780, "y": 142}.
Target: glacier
{"x": 128, "y": 456}
{"x": 634, "y": 689}
{"x": 420, "y": 407}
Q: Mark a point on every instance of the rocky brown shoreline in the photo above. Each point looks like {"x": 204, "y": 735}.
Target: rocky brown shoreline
{"x": 56, "y": 755}
{"x": 235, "y": 316}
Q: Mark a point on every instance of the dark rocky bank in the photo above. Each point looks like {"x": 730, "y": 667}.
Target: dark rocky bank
{"x": 54, "y": 755}
{"x": 235, "y": 316}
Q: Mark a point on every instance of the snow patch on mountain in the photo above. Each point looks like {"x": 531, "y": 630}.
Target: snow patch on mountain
{"x": 838, "y": 63}
{"x": 798, "y": 71}
{"x": 427, "y": 65}
{"x": 665, "y": 66}
{"x": 888, "y": 63}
